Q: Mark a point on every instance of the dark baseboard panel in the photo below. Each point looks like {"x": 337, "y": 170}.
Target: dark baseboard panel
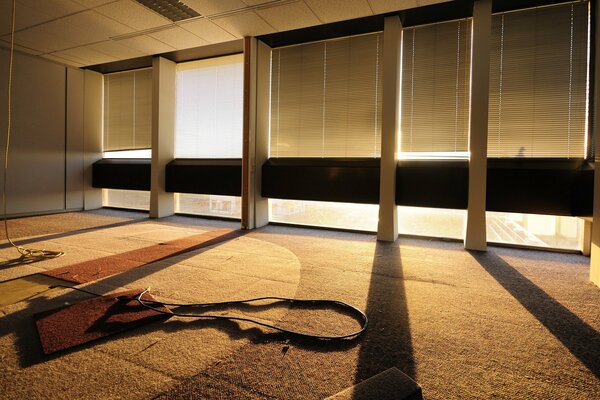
{"x": 117, "y": 173}
{"x": 436, "y": 184}
{"x": 322, "y": 179}
{"x": 540, "y": 186}
{"x": 205, "y": 176}
{"x": 533, "y": 186}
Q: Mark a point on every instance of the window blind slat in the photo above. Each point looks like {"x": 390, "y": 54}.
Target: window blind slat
{"x": 538, "y": 82}
{"x": 326, "y": 99}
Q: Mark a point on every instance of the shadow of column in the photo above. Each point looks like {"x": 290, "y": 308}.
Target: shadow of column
{"x": 387, "y": 341}
{"x": 576, "y": 335}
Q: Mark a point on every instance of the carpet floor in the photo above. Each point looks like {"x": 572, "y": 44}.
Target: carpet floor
{"x": 505, "y": 324}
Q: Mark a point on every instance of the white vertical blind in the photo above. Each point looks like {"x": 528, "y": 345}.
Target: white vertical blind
{"x": 326, "y": 98}
{"x": 209, "y": 108}
{"x": 128, "y": 110}
{"x": 435, "y": 88}
{"x": 538, "y": 82}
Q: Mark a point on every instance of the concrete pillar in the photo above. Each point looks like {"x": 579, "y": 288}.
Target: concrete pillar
{"x": 93, "y": 103}
{"x": 257, "y": 55}
{"x": 162, "y": 204}
{"x": 387, "y": 229}
{"x": 475, "y": 237}
{"x": 595, "y": 247}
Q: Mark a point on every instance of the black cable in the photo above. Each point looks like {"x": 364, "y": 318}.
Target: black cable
{"x": 354, "y": 310}
{"x": 147, "y": 304}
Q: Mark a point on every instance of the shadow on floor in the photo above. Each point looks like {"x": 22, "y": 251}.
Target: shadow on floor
{"x": 576, "y": 335}
{"x": 21, "y": 324}
{"x": 38, "y": 239}
{"x": 387, "y": 342}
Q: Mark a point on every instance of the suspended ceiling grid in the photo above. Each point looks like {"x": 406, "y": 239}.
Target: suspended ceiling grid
{"x": 87, "y": 32}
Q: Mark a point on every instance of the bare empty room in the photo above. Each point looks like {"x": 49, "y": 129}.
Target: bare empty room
{"x": 299, "y": 199}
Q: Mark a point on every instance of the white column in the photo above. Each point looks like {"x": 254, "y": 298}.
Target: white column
{"x": 162, "y": 204}
{"x": 74, "y": 139}
{"x": 255, "y": 211}
{"x": 475, "y": 238}
{"x": 93, "y": 104}
{"x": 387, "y": 229}
{"x": 595, "y": 248}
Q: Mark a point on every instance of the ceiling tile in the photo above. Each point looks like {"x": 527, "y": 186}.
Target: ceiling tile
{"x": 117, "y": 50}
{"x": 92, "y": 21}
{"x": 210, "y": 7}
{"x": 207, "y": 30}
{"x": 42, "y": 39}
{"x": 384, "y": 6}
{"x": 92, "y": 3}
{"x": 338, "y": 10}
{"x": 89, "y": 56}
{"x": 63, "y": 60}
{"x": 132, "y": 14}
{"x": 146, "y": 44}
{"x": 5, "y": 43}
{"x": 86, "y": 27}
{"x": 53, "y": 8}
{"x": 289, "y": 16}
{"x": 246, "y": 24}
{"x": 178, "y": 38}
{"x": 26, "y": 16}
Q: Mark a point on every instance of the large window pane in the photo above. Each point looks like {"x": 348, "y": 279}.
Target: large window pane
{"x": 208, "y": 205}
{"x": 534, "y": 230}
{"x": 131, "y": 199}
{"x": 326, "y": 214}
{"x": 431, "y": 222}
{"x": 209, "y": 108}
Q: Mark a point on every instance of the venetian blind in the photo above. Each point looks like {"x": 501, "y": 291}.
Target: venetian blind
{"x": 128, "y": 110}
{"x": 435, "y": 87}
{"x": 326, "y": 98}
{"x": 209, "y": 107}
{"x": 538, "y": 82}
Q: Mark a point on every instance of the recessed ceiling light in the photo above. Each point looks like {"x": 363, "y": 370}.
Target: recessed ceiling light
{"x": 174, "y": 10}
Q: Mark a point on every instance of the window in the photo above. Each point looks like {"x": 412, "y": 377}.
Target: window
{"x": 209, "y": 108}
{"x": 431, "y": 222}
{"x": 209, "y": 116}
{"x": 435, "y": 90}
{"x": 326, "y": 98}
{"x": 534, "y": 230}
{"x": 361, "y": 217}
{"x": 127, "y": 129}
{"x": 208, "y": 204}
{"x": 130, "y": 199}
{"x": 127, "y": 111}
{"x": 539, "y": 82}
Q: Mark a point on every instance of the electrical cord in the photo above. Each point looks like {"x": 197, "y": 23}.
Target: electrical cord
{"x": 363, "y": 316}
{"x": 28, "y": 255}
{"x": 153, "y": 304}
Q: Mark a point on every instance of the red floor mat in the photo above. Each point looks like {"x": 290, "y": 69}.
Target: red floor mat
{"x": 93, "y": 270}
{"x": 93, "y": 319}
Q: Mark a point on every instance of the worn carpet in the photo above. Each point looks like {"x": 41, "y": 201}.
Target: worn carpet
{"x": 506, "y": 324}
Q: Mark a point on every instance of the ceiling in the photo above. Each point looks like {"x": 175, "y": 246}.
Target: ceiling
{"x": 87, "y": 32}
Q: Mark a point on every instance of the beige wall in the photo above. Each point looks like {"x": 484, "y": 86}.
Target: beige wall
{"x": 45, "y": 173}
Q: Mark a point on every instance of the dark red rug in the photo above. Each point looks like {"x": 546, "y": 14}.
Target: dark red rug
{"x": 93, "y": 319}
{"x": 93, "y": 270}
